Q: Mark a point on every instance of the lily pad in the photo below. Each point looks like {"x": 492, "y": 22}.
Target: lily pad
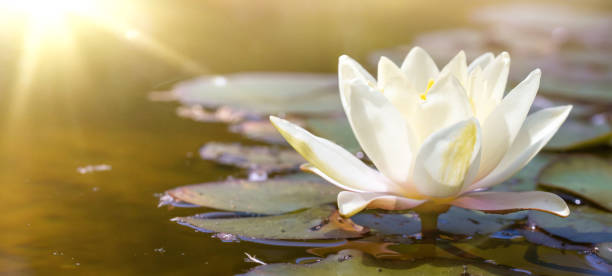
{"x": 221, "y": 114}
{"x": 461, "y": 221}
{"x": 576, "y": 134}
{"x": 272, "y": 196}
{"x": 583, "y": 225}
{"x": 260, "y": 130}
{"x": 336, "y": 129}
{"x": 527, "y": 178}
{"x": 354, "y": 262}
{"x": 604, "y": 250}
{"x": 389, "y": 224}
{"x": 322, "y": 222}
{"x": 256, "y": 158}
{"x": 585, "y": 176}
{"x": 264, "y": 93}
{"x": 456, "y": 221}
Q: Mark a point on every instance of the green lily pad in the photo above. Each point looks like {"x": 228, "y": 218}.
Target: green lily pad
{"x": 576, "y": 134}
{"x": 585, "y": 176}
{"x": 461, "y": 221}
{"x": 272, "y": 196}
{"x": 336, "y": 129}
{"x": 264, "y": 93}
{"x": 583, "y": 225}
{"x": 322, "y": 222}
{"x": 604, "y": 250}
{"x": 353, "y": 262}
{"x": 527, "y": 178}
{"x": 256, "y": 158}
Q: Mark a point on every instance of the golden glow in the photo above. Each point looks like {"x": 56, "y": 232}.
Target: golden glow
{"x": 423, "y": 95}
{"x": 48, "y": 37}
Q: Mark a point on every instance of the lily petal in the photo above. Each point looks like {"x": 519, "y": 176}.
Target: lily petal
{"x": 503, "y": 124}
{"x": 397, "y": 89}
{"x": 457, "y": 67}
{"x": 482, "y": 61}
{"x": 447, "y": 161}
{"x": 496, "y": 76}
{"x": 445, "y": 104}
{"x": 349, "y": 70}
{"x": 512, "y": 201}
{"x": 381, "y": 131}
{"x": 334, "y": 161}
{"x": 351, "y": 203}
{"x": 537, "y": 130}
{"x": 419, "y": 68}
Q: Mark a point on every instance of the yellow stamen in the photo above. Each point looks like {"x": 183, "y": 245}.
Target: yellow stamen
{"x": 429, "y": 85}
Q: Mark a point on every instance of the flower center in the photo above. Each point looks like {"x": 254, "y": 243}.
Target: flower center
{"x": 424, "y": 94}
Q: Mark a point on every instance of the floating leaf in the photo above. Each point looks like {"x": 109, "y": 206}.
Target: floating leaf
{"x": 272, "y": 196}
{"x": 538, "y": 237}
{"x": 585, "y": 176}
{"x": 389, "y": 224}
{"x": 575, "y": 134}
{"x": 257, "y": 158}
{"x": 584, "y": 224}
{"x": 604, "y": 250}
{"x": 316, "y": 223}
{"x": 527, "y": 178}
{"x": 336, "y": 129}
{"x": 260, "y": 130}
{"x": 264, "y": 93}
{"x": 222, "y": 114}
{"x": 461, "y": 221}
{"x": 456, "y": 221}
{"x": 353, "y": 262}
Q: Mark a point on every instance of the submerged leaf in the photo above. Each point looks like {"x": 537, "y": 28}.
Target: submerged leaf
{"x": 272, "y": 196}
{"x": 322, "y": 222}
{"x": 256, "y": 158}
{"x": 354, "y": 262}
{"x": 264, "y": 93}
{"x": 583, "y": 225}
{"x": 585, "y": 176}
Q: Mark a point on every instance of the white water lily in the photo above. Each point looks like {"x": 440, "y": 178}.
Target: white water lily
{"x": 438, "y": 136}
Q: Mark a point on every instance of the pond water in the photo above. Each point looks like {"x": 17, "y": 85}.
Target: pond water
{"x": 85, "y": 154}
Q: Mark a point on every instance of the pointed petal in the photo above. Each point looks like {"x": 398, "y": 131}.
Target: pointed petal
{"x": 381, "y": 131}
{"x": 482, "y": 61}
{"x": 394, "y": 84}
{"x": 447, "y": 160}
{"x": 537, "y": 130}
{"x": 446, "y": 104}
{"x": 496, "y": 76}
{"x": 337, "y": 163}
{"x": 419, "y": 68}
{"x": 350, "y": 70}
{"x": 351, "y": 203}
{"x": 503, "y": 124}
{"x": 391, "y": 80}
{"x": 509, "y": 201}
{"x": 457, "y": 67}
